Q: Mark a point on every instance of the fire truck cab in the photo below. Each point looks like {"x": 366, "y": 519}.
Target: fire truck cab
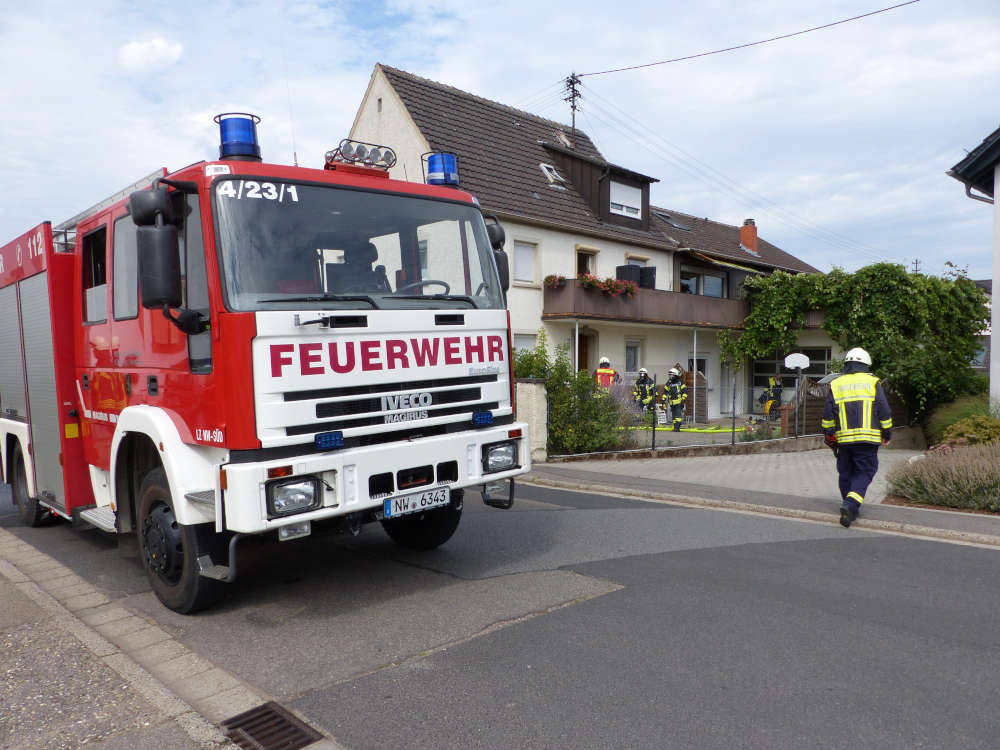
{"x": 243, "y": 348}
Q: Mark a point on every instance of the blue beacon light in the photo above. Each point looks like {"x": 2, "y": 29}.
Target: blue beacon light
{"x": 442, "y": 168}
{"x": 238, "y": 136}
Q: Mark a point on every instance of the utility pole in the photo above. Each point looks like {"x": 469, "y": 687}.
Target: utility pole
{"x": 572, "y": 94}
{"x": 916, "y": 265}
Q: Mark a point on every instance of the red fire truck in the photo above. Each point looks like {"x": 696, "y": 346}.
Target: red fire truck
{"x": 246, "y": 348}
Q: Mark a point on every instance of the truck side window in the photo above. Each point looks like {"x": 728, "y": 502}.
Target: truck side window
{"x": 95, "y": 282}
{"x": 125, "y": 292}
{"x": 195, "y": 281}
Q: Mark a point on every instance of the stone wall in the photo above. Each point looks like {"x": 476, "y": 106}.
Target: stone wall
{"x": 532, "y": 407}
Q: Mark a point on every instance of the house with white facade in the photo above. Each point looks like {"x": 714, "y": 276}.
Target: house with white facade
{"x": 569, "y": 214}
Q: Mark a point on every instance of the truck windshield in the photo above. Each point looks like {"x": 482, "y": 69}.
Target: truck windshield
{"x": 288, "y": 245}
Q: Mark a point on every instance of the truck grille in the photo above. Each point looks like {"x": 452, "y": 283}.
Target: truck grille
{"x": 362, "y": 405}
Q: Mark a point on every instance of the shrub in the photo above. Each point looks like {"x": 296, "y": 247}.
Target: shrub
{"x": 979, "y": 428}
{"x": 946, "y": 415}
{"x": 961, "y": 477}
{"x": 583, "y": 418}
{"x": 533, "y": 363}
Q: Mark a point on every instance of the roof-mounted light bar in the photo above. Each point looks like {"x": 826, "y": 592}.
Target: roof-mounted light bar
{"x": 365, "y": 154}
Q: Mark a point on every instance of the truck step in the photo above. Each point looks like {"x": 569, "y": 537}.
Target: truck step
{"x": 103, "y": 518}
{"x": 209, "y": 570}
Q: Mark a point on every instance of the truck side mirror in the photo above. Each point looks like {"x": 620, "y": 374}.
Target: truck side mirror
{"x": 144, "y": 205}
{"x": 503, "y": 268}
{"x": 159, "y": 266}
{"x": 497, "y": 235}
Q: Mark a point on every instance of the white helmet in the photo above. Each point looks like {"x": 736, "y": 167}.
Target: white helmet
{"x": 643, "y": 371}
{"x": 675, "y": 371}
{"x": 857, "y": 354}
{"x": 604, "y": 362}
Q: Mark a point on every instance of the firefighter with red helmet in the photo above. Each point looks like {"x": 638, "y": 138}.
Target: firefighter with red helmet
{"x": 856, "y": 418}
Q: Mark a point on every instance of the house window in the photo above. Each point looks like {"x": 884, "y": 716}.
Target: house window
{"x": 696, "y": 281}
{"x": 586, "y": 262}
{"x": 524, "y": 262}
{"x": 632, "y": 351}
{"x": 626, "y": 200}
{"x": 689, "y": 282}
{"x": 555, "y": 179}
{"x": 714, "y": 286}
{"x": 524, "y": 342}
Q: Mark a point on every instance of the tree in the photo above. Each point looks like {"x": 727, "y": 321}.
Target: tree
{"x": 920, "y": 330}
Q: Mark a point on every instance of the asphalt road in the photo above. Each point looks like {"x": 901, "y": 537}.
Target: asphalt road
{"x": 583, "y": 621}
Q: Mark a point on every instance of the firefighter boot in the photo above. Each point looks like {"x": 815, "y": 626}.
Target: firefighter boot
{"x": 677, "y": 426}
{"x": 849, "y": 512}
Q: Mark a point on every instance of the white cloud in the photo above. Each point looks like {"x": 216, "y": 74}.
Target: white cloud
{"x": 150, "y": 54}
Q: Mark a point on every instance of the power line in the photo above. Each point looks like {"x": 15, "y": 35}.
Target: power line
{"x": 726, "y": 185}
{"x": 749, "y": 44}
{"x": 719, "y": 179}
{"x": 558, "y": 85}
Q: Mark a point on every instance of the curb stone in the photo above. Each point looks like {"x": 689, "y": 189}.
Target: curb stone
{"x": 197, "y": 728}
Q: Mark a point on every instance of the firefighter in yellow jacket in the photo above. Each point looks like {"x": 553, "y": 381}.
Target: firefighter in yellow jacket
{"x": 644, "y": 390}
{"x": 675, "y": 395}
{"x": 857, "y": 418}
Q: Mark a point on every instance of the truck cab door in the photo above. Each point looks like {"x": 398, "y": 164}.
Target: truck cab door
{"x": 97, "y": 351}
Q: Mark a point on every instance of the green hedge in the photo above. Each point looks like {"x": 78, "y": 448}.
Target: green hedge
{"x": 946, "y": 415}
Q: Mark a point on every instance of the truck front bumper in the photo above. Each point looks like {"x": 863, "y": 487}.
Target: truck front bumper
{"x": 353, "y": 480}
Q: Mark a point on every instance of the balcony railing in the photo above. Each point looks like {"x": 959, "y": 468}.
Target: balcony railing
{"x": 648, "y": 306}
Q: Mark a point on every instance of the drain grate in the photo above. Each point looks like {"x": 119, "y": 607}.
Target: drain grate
{"x": 269, "y": 727}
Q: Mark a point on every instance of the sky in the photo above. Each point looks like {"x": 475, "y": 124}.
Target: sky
{"x": 836, "y": 142}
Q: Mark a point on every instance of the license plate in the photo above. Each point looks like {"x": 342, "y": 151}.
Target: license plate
{"x": 415, "y": 502}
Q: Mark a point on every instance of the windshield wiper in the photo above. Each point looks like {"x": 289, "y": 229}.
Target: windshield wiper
{"x": 327, "y": 298}
{"x": 450, "y": 297}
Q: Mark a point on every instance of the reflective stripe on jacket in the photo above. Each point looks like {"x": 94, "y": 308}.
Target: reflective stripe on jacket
{"x": 643, "y": 392}
{"x": 675, "y": 393}
{"x": 857, "y": 410}
{"x": 605, "y": 376}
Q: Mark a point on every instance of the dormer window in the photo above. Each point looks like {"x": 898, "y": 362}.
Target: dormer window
{"x": 555, "y": 179}
{"x": 626, "y": 200}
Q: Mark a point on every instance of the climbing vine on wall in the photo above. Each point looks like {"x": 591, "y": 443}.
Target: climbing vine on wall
{"x": 920, "y": 330}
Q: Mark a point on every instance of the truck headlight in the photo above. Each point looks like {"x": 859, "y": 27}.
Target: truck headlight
{"x": 288, "y": 496}
{"x": 499, "y": 457}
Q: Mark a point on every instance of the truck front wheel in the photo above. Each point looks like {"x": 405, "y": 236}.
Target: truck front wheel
{"x": 169, "y": 550}
{"x": 31, "y": 512}
{"x": 428, "y": 529}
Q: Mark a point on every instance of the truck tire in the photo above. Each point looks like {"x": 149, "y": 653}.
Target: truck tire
{"x": 169, "y": 550}
{"x": 31, "y": 512}
{"x": 429, "y": 529}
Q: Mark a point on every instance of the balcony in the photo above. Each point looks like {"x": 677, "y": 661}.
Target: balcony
{"x": 648, "y": 306}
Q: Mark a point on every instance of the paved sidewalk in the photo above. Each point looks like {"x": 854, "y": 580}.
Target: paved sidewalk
{"x": 79, "y": 670}
{"x": 794, "y": 485}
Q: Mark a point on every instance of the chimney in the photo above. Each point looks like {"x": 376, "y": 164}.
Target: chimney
{"x": 748, "y": 235}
